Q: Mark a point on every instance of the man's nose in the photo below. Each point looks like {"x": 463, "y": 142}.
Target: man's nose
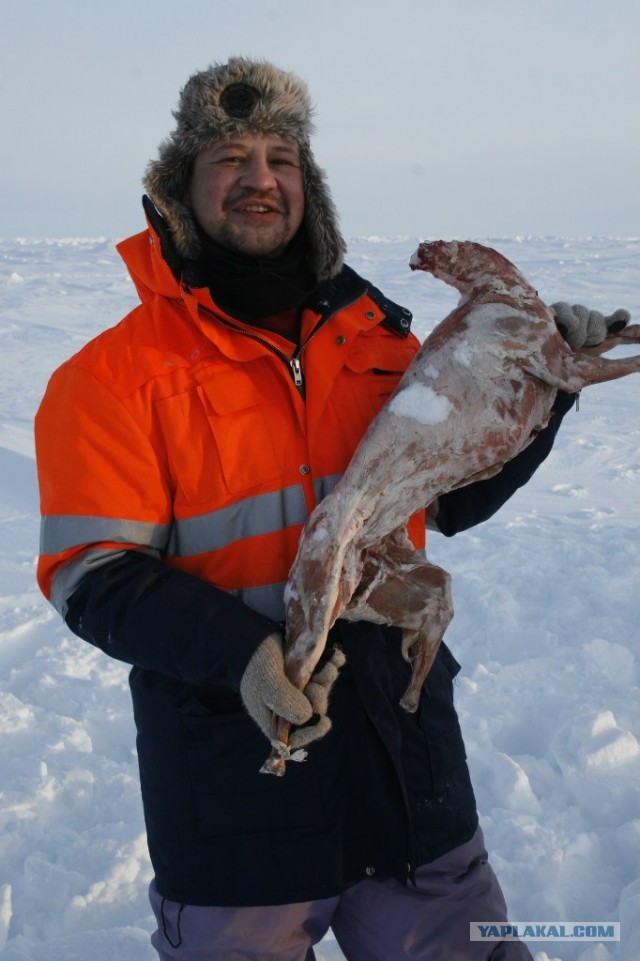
{"x": 258, "y": 174}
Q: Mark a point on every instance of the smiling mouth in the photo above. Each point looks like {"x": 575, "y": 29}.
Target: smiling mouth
{"x": 259, "y": 209}
{"x": 256, "y": 206}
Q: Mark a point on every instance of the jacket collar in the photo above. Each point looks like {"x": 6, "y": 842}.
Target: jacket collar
{"x": 156, "y": 267}
{"x": 347, "y": 287}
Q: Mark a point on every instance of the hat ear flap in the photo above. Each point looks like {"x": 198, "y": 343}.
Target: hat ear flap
{"x": 167, "y": 183}
{"x": 321, "y": 220}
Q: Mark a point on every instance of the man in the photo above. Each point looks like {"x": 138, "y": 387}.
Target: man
{"x": 197, "y": 435}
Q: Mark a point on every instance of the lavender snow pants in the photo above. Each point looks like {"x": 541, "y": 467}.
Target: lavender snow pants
{"x": 375, "y": 920}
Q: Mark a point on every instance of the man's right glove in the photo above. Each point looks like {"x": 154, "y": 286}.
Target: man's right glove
{"x": 265, "y": 691}
{"x": 582, "y": 327}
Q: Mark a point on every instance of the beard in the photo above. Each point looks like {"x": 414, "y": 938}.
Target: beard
{"x": 256, "y": 242}
{"x": 247, "y": 234}
{"x": 256, "y": 286}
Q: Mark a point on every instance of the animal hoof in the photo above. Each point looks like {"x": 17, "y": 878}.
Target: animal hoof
{"x": 410, "y": 700}
{"x": 273, "y": 765}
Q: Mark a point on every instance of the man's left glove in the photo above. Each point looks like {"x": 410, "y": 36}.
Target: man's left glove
{"x": 582, "y": 327}
{"x": 265, "y": 691}
{"x": 317, "y": 691}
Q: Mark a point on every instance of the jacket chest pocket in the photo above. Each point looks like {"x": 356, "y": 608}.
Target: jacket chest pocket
{"x": 378, "y": 368}
{"x": 220, "y": 438}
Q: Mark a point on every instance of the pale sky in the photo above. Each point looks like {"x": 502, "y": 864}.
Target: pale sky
{"x": 436, "y": 118}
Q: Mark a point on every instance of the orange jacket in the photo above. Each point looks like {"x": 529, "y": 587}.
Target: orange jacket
{"x": 179, "y": 432}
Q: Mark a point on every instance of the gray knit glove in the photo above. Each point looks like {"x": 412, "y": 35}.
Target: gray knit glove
{"x": 265, "y": 691}
{"x": 582, "y": 327}
{"x": 317, "y": 691}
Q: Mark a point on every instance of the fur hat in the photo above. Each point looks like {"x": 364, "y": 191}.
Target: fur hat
{"x": 243, "y": 97}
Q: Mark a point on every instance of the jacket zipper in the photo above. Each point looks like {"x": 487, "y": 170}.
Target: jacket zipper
{"x": 294, "y": 363}
{"x": 296, "y": 370}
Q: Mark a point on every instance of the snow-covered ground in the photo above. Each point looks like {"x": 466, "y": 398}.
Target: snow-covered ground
{"x": 547, "y": 628}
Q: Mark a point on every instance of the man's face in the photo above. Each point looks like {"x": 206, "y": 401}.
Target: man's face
{"x": 247, "y": 193}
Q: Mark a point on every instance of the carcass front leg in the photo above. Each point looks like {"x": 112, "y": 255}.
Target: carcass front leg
{"x": 629, "y": 335}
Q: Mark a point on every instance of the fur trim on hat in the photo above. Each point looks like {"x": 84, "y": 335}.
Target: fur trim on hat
{"x": 243, "y": 97}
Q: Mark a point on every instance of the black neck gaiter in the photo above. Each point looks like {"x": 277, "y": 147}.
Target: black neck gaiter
{"x": 257, "y": 287}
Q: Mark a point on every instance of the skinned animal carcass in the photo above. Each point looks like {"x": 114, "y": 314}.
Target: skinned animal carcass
{"x": 479, "y": 389}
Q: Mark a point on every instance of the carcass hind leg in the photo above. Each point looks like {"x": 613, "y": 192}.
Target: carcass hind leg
{"x": 400, "y": 587}
{"x": 420, "y": 645}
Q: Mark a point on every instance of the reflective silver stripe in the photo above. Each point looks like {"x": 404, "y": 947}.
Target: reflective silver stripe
{"x": 267, "y": 600}
{"x": 324, "y": 485}
{"x": 59, "y": 532}
{"x": 251, "y": 517}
